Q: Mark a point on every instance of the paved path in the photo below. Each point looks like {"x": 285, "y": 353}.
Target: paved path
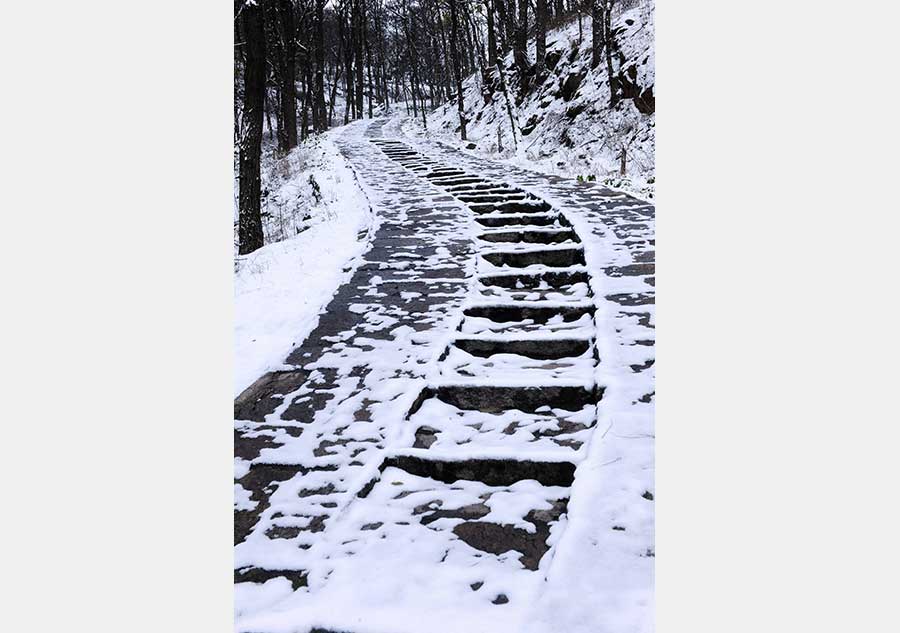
{"x": 464, "y": 443}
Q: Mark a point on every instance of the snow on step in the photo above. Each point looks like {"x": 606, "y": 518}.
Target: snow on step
{"x": 530, "y": 235}
{"x": 443, "y": 427}
{"x": 540, "y": 347}
{"x": 508, "y": 319}
{"x": 529, "y": 257}
{"x": 460, "y": 365}
{"x": 569, "y": 286}
{"x": 461, "y": 556}
{"x": 517, "y": 219}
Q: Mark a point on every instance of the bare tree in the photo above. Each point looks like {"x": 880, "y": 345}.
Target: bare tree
{"x": 250, "y": 233}
{"x": 454, "y": 45}
{"x": 358, "y": 17}
{"x": 520, "y": 46}
{"x": 597, "y": 31}
{"x": 320, "y": 119}
{"x": 608, "y": 44}
{"x": 619, "y": 132}
{"x": 540, "y": 34}
{"x": 491, "y": 33}
{"x": 283, "y": 50}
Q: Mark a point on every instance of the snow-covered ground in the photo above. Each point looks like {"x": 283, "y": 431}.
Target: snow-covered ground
{"x": 383, "y": 545}
{"x": 316, "y": 220}
{"x": 569, "y": 130}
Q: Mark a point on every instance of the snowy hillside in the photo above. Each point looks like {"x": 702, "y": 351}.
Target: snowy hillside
{"x": 564, "y": 124}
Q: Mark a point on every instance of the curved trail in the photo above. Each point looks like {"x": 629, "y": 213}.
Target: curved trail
{"x": 465, "y": 441}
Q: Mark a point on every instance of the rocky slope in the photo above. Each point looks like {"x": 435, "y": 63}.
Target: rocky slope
{"x": 564, "y": 123}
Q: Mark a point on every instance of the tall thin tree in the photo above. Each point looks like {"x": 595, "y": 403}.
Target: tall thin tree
{"x": 491, "y": 33}
{"x": 520, "y": 46}
{"x": 540, "y": 34}
{"x": 320, "y": 119}
{"x": 457, "y": 75}
{"x": 597, "y": 35}
{"x": 358, "y": 17}
{"x": 287, "y": 74}
{"x": 608, "y": 44}
{"x": 250, "y": 233}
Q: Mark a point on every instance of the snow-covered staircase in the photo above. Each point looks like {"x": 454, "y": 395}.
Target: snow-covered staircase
{"x": 432, "y": 460}
{"x": 498, "y": 432}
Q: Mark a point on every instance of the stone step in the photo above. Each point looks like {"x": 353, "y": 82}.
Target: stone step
{"x": 568, "y": 287}
{"x": 508, "y": 196}
{"x": 535, "y": 313}
{"x": 487, "y": 522}
{"x": 531, "y": 219}
{"x": 532, "y": 237}
{"x": 472, "y": 184}
{"x": 495, "y": 399}
{"x": 297, "y": 577}
{"x": 457, "y": 365}
{"x": 574, "y": 319}
{"x": 516, "y": 206}
{"x": 491, "y": 472}
{"x": 554, "y": 279}
{"x": 446, "y": 431}
{"x": 554, "y": 258}
{"x": 437, "y": 174}
{"x": 535, "y": 348}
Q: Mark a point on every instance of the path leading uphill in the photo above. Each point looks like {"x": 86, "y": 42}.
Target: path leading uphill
{"x": 465, "y": 442}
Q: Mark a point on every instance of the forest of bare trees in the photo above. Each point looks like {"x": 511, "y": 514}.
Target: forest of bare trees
{"x": 303, "y": 66}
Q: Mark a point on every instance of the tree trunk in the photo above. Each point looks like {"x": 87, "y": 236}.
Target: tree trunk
{"x": 580, "y": 32}
{"x": 365, "y": 32}
{"x": 454, "y": 46}
{"x": 468, "y": 44}
{"x": 520, "y": 49}
{"x": 320, "y": 120}
{"x": 358, "y": 39}
{"x": 477, "y": 44}
{"x": 445, "y": 72}
{"x": 597, "y": 32}
{"x": 415, "y": 89}
{"x": 347, "y": 47}
{"x": 503, "y": 26}
{"x": 268, "y": 111}
{"x": 250, "y": 233}
{"x": 333, "y": 98}
{"x": 381, "y": 62}
{"x": 308, "y": 103}
{"x": 511, "y": 28}
{"x": 509, "y": 111}
{"x": 491, "y": 34}
{"x": 608, "y": 45}
{"x": 540, "y": 34}
{"x": 287, "y": 87}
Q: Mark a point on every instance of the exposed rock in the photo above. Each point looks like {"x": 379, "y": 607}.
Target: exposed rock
{"x": 530, "y": 124}
{"x": 551, "y": 59}
{"x": 571, "y": 83}
{"x": 575, "y": 110}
